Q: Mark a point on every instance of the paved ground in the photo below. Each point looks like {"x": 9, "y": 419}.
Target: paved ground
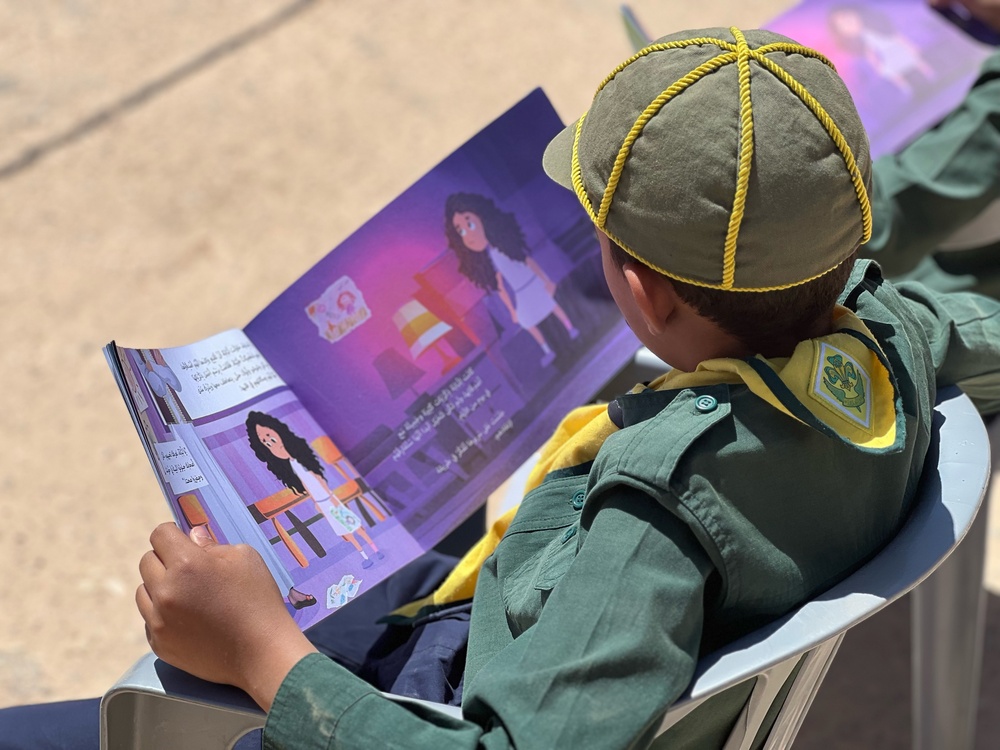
{"x": 166, "y": 168}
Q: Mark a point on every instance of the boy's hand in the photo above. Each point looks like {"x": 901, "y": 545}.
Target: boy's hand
{"x": 987, "y": 11}
{"x": 214, "y": 611}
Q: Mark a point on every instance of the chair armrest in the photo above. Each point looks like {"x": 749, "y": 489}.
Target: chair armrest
{"x": 154, "y": 706}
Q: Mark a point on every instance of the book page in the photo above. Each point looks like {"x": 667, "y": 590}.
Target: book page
{"x": 443, "y": 341}
{"x": 236, "y": 452}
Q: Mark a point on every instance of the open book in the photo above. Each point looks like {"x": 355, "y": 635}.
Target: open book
{"x": 375, "y": 403}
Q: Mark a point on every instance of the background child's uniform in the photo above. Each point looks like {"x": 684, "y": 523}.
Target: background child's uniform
{"x": 934, "y": 187}
{"x": 707, "y": 511}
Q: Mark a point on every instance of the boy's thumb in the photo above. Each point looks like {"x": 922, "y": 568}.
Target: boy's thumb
{"x": 201, "y": 536}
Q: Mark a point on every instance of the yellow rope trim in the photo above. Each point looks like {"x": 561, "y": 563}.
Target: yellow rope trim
{"x": 795, "y": 49}
{"x": 707, "y": 285}
{"x": 743, "y": 168}
{"x": 647, "y": 114}
{"x": 659, "y": 47}
{"x": 834, "y": 132}
{"x": 576, "y": 172}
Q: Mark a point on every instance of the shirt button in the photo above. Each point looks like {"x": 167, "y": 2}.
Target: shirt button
{"x": 570, "y": 533}
{"x": 706, "y": 404}
{"x": 578, "y": 500}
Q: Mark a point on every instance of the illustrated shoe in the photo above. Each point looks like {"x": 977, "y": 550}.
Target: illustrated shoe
{"x": 367, "y": 563}
{"x": 548, "y": 358}
{"x": 574, "y": 334}
{"x": 379, "y": 555}
{"x": 309, "y": 601}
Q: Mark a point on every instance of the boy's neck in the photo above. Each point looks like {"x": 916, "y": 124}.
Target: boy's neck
{"x": 699, "y": 339}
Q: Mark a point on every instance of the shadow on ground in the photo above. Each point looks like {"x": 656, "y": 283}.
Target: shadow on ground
{"x": 865, "y": 700}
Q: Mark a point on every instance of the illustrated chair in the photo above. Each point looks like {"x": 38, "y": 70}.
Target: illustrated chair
{"x": 194, "y": 513}
{"x": 352, "y": 488}
{"x": 155, "y": 706}
{"x": 282, "y": 503}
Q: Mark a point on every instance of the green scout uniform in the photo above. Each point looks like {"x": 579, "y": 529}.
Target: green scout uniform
{"x": 717, "y": 506}
{"x": 935, "y": 186}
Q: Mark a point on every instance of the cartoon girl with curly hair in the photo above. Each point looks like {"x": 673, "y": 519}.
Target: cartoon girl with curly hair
{"x": 869, "y": 33}
{"x": 293, "y": 462}
{"x": 493, "y": 255}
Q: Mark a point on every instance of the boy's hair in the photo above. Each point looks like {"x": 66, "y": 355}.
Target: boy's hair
{"x": 767, "y": 323}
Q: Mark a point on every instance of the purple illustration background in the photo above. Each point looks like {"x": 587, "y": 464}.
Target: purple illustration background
{"x": 340, "y": 384}
{"x": 891, "y": 117}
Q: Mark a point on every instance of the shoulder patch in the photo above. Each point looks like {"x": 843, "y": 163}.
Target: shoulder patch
{"x": 841, "y": 383}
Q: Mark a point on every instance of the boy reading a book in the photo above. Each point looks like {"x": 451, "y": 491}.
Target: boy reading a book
{"x": 727, "y": 176}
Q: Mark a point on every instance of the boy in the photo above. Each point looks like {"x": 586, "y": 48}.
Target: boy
{"x": 727, "y": 176}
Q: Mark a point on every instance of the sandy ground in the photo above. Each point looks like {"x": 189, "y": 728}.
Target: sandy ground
{"x": 168, "y": 167}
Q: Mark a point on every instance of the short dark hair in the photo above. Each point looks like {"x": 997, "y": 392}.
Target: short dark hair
{"x": 767, "y": 323}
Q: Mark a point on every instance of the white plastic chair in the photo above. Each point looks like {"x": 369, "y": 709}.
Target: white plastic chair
{"x": 155, "y": 707}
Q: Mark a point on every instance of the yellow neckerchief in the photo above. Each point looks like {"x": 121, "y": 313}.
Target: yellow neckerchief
{"x": 837, "y": 378}
{"x": 576, "y": 441}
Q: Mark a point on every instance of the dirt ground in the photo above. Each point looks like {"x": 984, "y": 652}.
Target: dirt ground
{"x": 166, "y": 169}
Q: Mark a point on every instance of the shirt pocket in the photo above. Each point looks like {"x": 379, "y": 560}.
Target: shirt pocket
{"x": 527, "y": 588}
{"x": 556, "y": 559}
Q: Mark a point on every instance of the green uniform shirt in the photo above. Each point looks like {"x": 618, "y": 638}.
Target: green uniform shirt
{"x": 694, "y": 526}
{"x": 699, "y": 521}
{"x": 935, "y": 186}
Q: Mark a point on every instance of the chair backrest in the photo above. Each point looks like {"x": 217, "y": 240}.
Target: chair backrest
{"x": 327, "y": 450}
{"x": 950, "y": 493}
{"x": 155, "y": 706}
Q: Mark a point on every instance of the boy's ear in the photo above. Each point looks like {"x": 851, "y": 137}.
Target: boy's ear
{"x": 654, "y": 296}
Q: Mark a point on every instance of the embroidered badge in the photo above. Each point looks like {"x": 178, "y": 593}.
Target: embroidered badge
{"x": 844, "y": 384}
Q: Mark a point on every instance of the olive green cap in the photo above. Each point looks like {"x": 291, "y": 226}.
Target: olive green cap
{"x": 726, "y": 159}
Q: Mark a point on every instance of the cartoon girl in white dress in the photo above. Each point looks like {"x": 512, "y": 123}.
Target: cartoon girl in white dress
{"x": 869, "y": 33}
{"x": 294, "y": 463}
{"x": 492, "y": 254}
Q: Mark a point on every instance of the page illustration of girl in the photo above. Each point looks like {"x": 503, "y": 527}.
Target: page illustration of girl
{"x": 294, "y": 463}
{"x": 493, "y": 255}
{"x": 869, "y": 33}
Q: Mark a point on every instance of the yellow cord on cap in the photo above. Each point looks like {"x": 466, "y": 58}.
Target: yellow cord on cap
{"x": 660, "y": 47}
{"x": 741, "y": 54}
{"x": 838, "y": 138}
{"x": 616, "y": 171}
{"x": 743, "y": 170}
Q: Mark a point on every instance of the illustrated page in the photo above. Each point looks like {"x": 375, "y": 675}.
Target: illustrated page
{"x": 441, "y": 343}
{"x": 237, "y": 453}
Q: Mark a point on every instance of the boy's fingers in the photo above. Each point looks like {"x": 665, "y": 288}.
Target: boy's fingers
{"x": 169, "y": 542}
{"x": 145, "y": 606}
{"x": 201, "y": 536}
{"x": 151, "y": 569}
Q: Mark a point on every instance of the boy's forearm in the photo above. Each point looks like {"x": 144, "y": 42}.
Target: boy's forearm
{"x": 264, "y": 675}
